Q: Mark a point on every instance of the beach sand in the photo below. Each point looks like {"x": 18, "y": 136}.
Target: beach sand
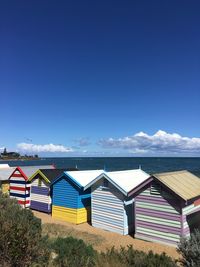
{"x": 101, "y": 240}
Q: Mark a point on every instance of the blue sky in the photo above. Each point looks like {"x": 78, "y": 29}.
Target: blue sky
{"x": 106, "y": 78}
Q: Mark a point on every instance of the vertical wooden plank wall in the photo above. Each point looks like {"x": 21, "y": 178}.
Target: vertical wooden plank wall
{"x": 158, "y": 216}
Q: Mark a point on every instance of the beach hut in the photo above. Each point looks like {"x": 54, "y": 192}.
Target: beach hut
{"x": 167, "y": 207}
{"x": 111, "y": 207}
{"x": 5, "y": 172}
{"x": 70, "y": 202}
{"x": 19, "y": 185}
{"x": 40, "y": 195}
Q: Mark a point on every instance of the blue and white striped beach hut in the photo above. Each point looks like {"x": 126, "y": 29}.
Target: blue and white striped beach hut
{"x": 111, "y": 208}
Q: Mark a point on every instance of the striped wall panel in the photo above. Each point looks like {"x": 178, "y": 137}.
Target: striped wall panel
{"x": 108, "y": 209}
{"x": 158, "y": 216}
{"x": 186, "y": 229}
{"x": 40, "y": 196}
{"x": 76, "y": 216}
{"x": 34, "y": 182}
{"x": 19, "y": 189}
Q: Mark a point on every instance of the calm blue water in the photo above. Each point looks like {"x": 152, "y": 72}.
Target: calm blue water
{"x": 150, "y": 165}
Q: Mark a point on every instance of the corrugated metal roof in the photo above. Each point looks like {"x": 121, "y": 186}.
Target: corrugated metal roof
{"x": 128, "y": 179}
{"x": 82, "y": 178}
{"x": 125, "y": 181}
{"x": 183, "y": 183}
{"x": 6, "y": 172}
{"x": 30, "y": 170}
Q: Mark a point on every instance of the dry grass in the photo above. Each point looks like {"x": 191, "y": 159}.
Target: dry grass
{"x": 101, "y": 240}
{"x": 57, "y": 230}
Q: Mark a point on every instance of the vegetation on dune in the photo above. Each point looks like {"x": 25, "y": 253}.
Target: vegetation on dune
{"x": 23, "y": 244}
{"x": 190, "y": 250}
{"x": 21, "y": 240}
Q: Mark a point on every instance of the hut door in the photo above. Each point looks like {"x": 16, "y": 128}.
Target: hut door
{"x": 193, "y": 221}
{"x": 129, "y": 216}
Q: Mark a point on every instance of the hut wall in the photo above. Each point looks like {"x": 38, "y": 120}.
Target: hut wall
{"x": 70, "y": 203}
{"x": 5, "y": 187}
{"x": 40, "y": 195}
{"x": 108, "y": 211}
{"x": 158, "y": 215}
{"x": 20, "y": 189}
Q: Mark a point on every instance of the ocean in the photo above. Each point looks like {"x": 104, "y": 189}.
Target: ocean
{"x": 148, "y": 164}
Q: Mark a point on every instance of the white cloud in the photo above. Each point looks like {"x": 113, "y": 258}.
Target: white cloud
{"x": 34, "y": 148}
{"x": 160, "y": 142}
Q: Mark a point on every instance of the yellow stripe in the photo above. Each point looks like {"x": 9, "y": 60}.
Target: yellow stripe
{"x": 76, "y": 216}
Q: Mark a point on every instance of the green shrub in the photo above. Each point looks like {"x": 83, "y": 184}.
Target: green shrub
{"x": 20, "y": 235}
{"x": 189, "y": 248}
{"x": 71, "y": 252}
{"x": 130, "y": 257}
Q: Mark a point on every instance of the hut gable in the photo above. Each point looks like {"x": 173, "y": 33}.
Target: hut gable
{"x": 157, "y": 214}
{"x": 112, "y": 208}
{"x": 19, "y": 184}
{"x": 70, "y": 201}
{"x": 40, "y": 188}
{"x": 167, "y": 207}
{"x": 108, "y": 210}
{"x": 65, "y": 193}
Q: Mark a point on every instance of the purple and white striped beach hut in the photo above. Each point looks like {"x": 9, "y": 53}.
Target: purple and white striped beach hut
{"x": 167, "y": 207}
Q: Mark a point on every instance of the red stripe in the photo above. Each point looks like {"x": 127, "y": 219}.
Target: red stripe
{"x": 17, "y": 175}
{"x": 23, "y": 202}
{"x": 17, "y": 188}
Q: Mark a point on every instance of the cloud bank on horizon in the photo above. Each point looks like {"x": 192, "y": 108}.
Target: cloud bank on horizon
{"x": 34, "y": 148}
{"x": 160, "y": 142}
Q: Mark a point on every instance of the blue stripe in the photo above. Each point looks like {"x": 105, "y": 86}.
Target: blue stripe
{"x": 40, "y": 190}
{"x": 19, "y": 195}
{"x": 18, "y": 182}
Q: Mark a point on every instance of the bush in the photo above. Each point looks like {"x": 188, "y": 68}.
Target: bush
{"x": 20, "y": 235}
{"x": 130, "y": 257}
{"x": 71, "y": 252}
{"x": 189, "y": 248}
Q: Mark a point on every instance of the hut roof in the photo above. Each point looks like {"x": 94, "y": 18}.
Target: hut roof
{"x": 81, "y": 178}
{"x": 125, "y": 181}
{"x": 6, "y": 172}
{"x": 3, "y": 166}
{"x": 50, "y": 174}
{"x": 183, "y": 183}
{"x": 28, "y": 171}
